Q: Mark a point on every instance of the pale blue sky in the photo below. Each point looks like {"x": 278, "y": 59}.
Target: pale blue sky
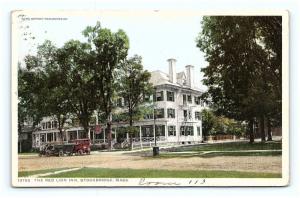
{"x": 156, "y": 36}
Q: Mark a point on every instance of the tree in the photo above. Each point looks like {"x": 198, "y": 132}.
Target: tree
{"x": 244, "y": 71}
{"x": 216, "y": 125}
{"x": 77, "y": 65}
{"x": 133, "y": 86}
{"x": 208, "y": 119}
{"x": 41, "y": 87}
{"x": 110, "y": 51}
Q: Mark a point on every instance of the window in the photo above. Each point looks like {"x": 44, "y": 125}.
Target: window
{"x": 170, "y": 96}
{"x": 160, "y": 96}
{"x": 73, "y": 135}
{"x": 160, "y": 130}
{"x": 187, "y": 130}
{"x": 171, "y": 113}
{"x": 55, "y": 124}
{"x": 197, "y": 100}
{"x": 198, "y": 131}
{"x": 185, "y": 114}
{"x": 147, "y": 131}
{"x": 202, "y": 103}
{"x": 48, "y": 125}
{"x": 82, "y": 134}
{"x": 197, "y": 115}
{"x": 126, "y": 102}
{"x": 184, "y": 98}
{"x": 49, "y": 137}
{"x": 43, "y": 137}
{"x": 43, "y": 125}
{"x": 171, "y": 130}
{"x": 159, "y": 113}
{"x": 148, "y": 116}
{"x": 146, "y": 98}
{"x": 120, "y": 102}
{"x": 189, "y": 98}
{"x": 190, "y": 114}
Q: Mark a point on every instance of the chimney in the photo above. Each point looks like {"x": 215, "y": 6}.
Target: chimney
{"x": 172, "y": 70}
{"x": 190, "y": 76}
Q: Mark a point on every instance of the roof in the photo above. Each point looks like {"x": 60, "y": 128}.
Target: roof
{"x": 180, "y": 75}
{"x": 160, "y": 78}
{"x": 27, "y": 129}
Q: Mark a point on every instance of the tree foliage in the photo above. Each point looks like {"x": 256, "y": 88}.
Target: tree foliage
{"x": 110, "y": 51}
{"x": 133, "y": 86}
{"x": 42, "y": 90}
{"x": 220, "y": 125}
{"x": 244, "y": 71}
{"x": 77, "y": 78}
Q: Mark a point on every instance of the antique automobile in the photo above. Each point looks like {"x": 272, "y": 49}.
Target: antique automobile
{"x": 82, "y": 146}
{"x": 57, "y": 150}
{"x": 78, "y": 147}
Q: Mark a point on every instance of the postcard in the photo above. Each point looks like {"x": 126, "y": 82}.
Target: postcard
{"x": 143, "y": 98}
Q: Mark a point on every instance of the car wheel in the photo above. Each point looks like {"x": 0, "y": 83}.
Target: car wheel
{"x": 60, "y": 153}
{"x": 88, "y": 151}
{"x": 80, "y": 152}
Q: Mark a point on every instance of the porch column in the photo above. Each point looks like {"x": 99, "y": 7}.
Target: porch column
{"x": 154, "y": 133}
{"x": 53, "y": 140}
{"x": 141, "y": 141}
{"x": 77, "y": 134}
{"x": 201, "y": 136}
{"x": 94, "y": 136}
{"x": 33, "y": 141}
{"x": 46, "y": 138}
{"x": 89, "y": 133}
{"x": 67, "y": 137}
{"x": 166, "y": 132}
{"x": 38, "y": 139}
{"x": 104, "y": 135}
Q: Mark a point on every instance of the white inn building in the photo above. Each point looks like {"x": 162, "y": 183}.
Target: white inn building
{"x": 178, "y": 115}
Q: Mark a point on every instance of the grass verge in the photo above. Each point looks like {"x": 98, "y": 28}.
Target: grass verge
{"x": 217, "y": 154}
{"x": 29, "y": 173}
{"x": 232, "y": 146}
{"x": 152, "y": 173}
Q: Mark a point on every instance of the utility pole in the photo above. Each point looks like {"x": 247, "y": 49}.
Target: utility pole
{"x": 154, "y": 128}
{"x": 155, "y": 148}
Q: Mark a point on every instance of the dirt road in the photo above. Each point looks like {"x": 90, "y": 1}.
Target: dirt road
{"x": 271, "y": 164}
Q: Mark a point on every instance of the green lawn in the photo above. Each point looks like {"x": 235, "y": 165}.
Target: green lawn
{"x": 217, "y": 154}
{"x": 219, "y": 149}
{"x": 28, "y": 173}
{"x": 149, "y": 173}
{"x": 231, "y": 146}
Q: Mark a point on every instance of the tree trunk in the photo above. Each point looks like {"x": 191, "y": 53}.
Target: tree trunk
{"x": 262, "y": 129}
{"x": 130, "y": 134}
{"x": 61, "y": 136}
{"x": 108, "y": 128}
{"x": 251, "y": 131}
{"x": 269, "y": 130}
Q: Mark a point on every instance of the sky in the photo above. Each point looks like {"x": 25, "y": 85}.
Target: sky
{"x": 154, "y": 35}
